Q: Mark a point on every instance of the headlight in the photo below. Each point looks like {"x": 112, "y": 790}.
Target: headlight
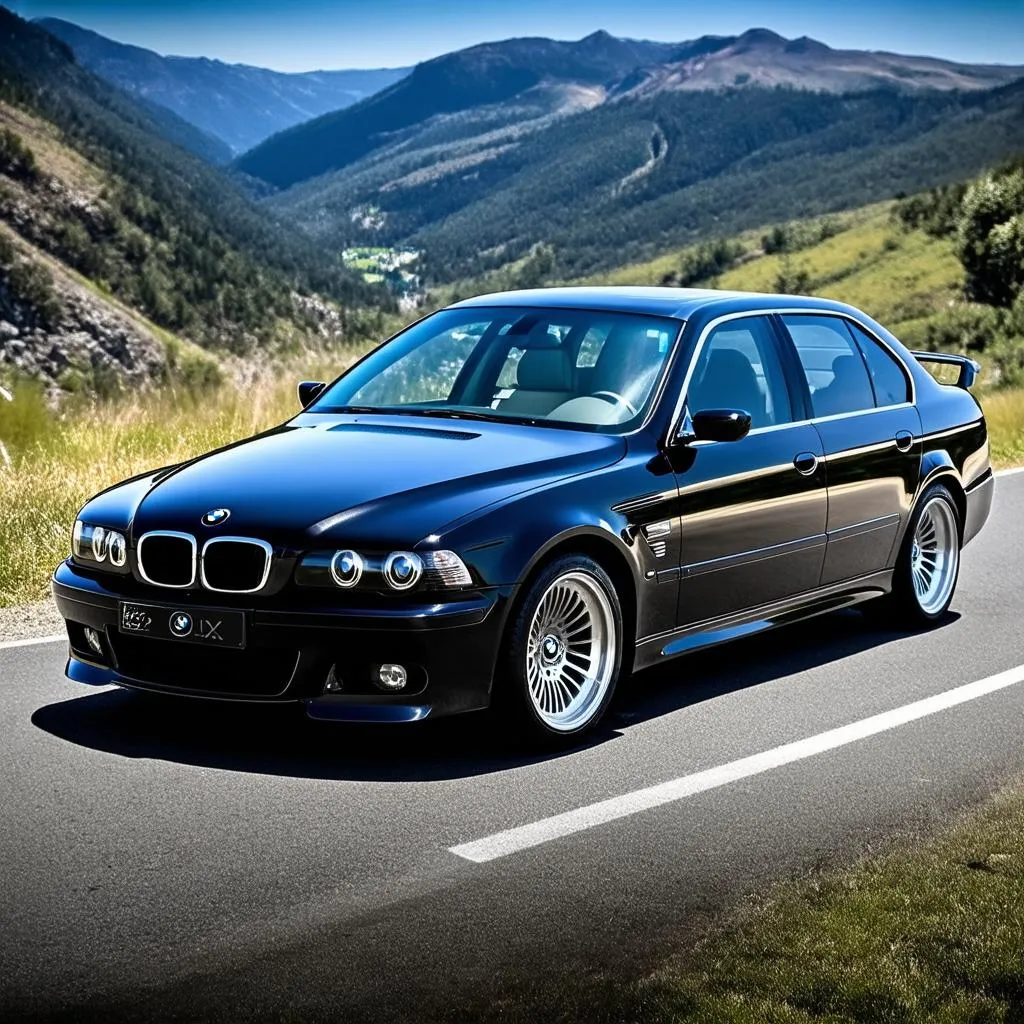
{"x": 97, "y": 544}
{"x": 117, "y": 549}
{"x": 346, "y": 568}
{"x": 399, "y": 570}
{"x": 77, "y": 548}
{"x": 402, "y": 570}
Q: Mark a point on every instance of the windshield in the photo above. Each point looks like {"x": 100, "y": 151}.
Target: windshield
{"x": 589, "y": 369}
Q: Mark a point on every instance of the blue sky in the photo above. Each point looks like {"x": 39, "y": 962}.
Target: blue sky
{"x": 306, "y": 34}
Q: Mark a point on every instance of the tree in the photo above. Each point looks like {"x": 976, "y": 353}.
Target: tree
{"x": 990, "y": 238}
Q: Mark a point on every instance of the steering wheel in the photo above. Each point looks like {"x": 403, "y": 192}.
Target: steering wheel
{"x": 616, "y": 399}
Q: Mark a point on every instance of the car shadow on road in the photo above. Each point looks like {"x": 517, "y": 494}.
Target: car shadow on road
{"x": 281, "y": 741}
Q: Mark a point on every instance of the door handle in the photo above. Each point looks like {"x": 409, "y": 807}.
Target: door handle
{"x": 904, "y": 440}
{"x": 806, "y": 463}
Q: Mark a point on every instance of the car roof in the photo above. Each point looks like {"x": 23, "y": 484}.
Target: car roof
{"x": 681, "y": 303}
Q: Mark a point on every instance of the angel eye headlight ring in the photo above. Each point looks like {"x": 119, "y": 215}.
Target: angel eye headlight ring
{"x": 117, "y": 549}
{"x": 347, "y": 568}
{"x": 403, "y": 570}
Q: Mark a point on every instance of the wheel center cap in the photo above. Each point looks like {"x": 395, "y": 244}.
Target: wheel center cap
{"x": 551, "y": 648}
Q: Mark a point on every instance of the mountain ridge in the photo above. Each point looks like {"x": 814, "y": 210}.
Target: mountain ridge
{"x": 238, "y": 104}
{"x": 504, "y": 71}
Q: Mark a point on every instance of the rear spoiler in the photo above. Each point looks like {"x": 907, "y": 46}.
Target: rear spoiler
{"x": 969, "y": 369}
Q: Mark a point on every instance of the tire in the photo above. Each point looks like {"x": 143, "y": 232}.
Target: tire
{"x": 562, "y": 654}
{"x": 928, "y": 565}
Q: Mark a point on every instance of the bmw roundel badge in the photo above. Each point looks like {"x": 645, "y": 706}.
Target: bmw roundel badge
{"x": 181, "y": 624}
{"x": 216, "y": 516}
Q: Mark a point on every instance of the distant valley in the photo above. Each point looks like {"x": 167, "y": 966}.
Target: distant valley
{"x": 236, "y": 104}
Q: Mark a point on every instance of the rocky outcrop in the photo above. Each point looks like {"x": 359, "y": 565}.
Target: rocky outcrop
{"x": 81, "y": 342}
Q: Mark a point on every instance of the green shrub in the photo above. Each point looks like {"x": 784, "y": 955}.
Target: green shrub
{"x": 16, "y": 159}
{"x": 29, "y": 284}
{"x": 990, "y": 238}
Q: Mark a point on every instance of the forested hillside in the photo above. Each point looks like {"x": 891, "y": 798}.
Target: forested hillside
{"x": 627, "y": 180}
{"x": 492, "y": 73}
{"x": 517, "y": 72}
{"x": 943, "y": 269}
{"x": 91, "y": 186}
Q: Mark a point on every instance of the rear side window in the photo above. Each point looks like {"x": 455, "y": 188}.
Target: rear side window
{"x": 887, "y": 377}
{"x": 833, "y": 365}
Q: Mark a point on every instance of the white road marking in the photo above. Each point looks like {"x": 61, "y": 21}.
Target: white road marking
{"x": 514, "y": 840}
{"x": 30, "y": 641}
{"x": 1010, "y": 472}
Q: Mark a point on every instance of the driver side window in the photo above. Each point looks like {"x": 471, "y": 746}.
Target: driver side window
{"x": 739, "y": 368}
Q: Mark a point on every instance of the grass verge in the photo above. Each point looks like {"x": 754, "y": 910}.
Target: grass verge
{"x": 926, "y": 934}
{"x": 1004, "y": 412}
{"x": 929, "y": 933}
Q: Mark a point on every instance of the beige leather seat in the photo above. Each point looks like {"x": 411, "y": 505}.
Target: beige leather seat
{"x": 543, "y": 381}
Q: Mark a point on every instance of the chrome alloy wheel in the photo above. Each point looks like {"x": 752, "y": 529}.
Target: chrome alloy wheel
{"x": 571, "y": 652}
{"x": 935, "y": 555}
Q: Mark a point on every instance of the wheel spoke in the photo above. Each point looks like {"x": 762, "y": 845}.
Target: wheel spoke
{"x": 570, "y": 651}
{"x": 935, "y": 556}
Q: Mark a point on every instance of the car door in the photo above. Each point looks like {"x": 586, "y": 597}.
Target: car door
{"x": 751, "y": 512}
{"x": 861, "y": 400}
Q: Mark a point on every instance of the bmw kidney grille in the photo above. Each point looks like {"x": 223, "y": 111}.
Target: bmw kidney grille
{"x": 226, "y": 565}
{"x": 235, "y": 565}
{"x": 167, "y": 559}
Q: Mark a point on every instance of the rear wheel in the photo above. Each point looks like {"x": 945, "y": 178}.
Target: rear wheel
{"x": 928, "y": 566}
{"x": 563, "y": 652}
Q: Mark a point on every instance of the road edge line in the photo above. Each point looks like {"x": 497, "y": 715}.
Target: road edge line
{"x": 31, "y": 641}
{"x": 559, "y": 826}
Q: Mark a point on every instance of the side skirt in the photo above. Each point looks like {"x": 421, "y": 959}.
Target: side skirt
{"x": 652, "y": 650}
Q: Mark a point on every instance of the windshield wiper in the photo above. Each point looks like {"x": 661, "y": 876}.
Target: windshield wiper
{"x": 442, "y": 413}
{"x": 445, "y": 413}
{"x": 334, "y": 409}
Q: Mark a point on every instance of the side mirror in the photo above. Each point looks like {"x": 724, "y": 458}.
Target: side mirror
{"x": 720, "y": 424}
{"x": 308, "y": 390}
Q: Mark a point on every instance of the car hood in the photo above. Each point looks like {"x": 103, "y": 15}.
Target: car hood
{"x": 365, "y": 478}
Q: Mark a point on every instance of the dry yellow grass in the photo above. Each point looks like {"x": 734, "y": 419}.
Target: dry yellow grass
{"x": 88, "y": 449}
{"x": 1004, "y": 413}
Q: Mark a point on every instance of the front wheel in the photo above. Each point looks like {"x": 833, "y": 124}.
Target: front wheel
{"x": 929, "y": 562}
{"x": 563, "y": 652}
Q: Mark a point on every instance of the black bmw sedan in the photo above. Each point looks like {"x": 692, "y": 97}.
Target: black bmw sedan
{"x": 525, "y": 497}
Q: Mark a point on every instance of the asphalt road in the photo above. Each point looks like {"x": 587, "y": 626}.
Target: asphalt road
{"x": 194, "y": 863}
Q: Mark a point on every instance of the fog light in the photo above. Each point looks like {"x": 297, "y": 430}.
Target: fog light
{"x": 333, "y": 684}
{"x": 392, "y": 677}
{"x": 92, "y": 638}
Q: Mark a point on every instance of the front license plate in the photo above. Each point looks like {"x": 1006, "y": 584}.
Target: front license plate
{"x": 216, "y": 626}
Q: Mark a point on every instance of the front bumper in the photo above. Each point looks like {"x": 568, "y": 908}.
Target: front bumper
{"x": 450, "y": 649}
